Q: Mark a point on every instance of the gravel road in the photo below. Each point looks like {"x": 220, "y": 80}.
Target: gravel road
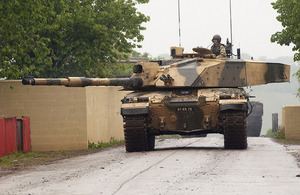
{"x": 177, "y": 166}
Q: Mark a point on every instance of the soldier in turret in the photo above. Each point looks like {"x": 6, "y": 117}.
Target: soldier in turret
{"x": 218, "y": 48}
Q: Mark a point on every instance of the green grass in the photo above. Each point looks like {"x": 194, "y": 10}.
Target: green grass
{"x": 278, "y": 135}
{"x": 169, "y": 136}
{"x": 15, "y": 158}
{"x": 270, "y": 133}
{"x": 20, "y": 159}
{"x": 101, "y": 145}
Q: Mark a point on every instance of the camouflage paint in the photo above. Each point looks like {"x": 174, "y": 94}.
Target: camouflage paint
{"x": 275, "y": 73}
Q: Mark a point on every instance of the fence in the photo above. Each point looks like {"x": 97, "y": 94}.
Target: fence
{"x": 14, "y": 135}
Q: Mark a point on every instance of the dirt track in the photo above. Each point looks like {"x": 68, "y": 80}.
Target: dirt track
{"x": 177, "y": 166}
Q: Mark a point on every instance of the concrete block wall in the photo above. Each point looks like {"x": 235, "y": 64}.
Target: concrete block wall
{"x": 57, "y": 114}
{"x": 64, "y": 118}
{"x": 291, "y": 122}
{"x": 103, "y": 114}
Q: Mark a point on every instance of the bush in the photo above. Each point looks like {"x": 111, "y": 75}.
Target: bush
{"x": 279, "y": 135}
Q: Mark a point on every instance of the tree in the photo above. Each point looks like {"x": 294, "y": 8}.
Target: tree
{"x": 289, "y": 16}
{"x": 58, "y": 38}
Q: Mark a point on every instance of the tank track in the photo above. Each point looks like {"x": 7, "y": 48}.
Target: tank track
{"x": 137, "y": 136}
{"x": 234, "y": 129}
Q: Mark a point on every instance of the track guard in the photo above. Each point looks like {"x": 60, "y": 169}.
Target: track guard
{"x": 240, "y": 105}
{"x": 135, "y": 109}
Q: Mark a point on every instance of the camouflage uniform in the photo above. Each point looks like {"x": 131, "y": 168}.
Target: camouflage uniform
{"x": 219, "y": 50}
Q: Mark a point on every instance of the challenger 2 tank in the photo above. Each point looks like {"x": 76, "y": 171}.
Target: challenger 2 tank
{"x": 191, "y": 94}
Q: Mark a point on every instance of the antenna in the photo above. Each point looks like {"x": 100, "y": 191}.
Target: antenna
{"x": 238, "y": 49}
{"x": 230, "y": 23}
{"x": 179, "y": 23}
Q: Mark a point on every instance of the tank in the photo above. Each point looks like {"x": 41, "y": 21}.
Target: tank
{"x": 191, "y": 94}
{"x": 254, "y": 119}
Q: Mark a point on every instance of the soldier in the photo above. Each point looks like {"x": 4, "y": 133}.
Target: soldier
{"x": 218, "y": 48}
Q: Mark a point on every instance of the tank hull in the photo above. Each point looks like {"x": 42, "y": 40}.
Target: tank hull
{"x": 184, "y": 111}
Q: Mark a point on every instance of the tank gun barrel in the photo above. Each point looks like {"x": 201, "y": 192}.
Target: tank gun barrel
{"x": 82, "y": 82}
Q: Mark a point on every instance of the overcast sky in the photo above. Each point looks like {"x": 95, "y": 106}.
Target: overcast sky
{"x": 254, "y": 21}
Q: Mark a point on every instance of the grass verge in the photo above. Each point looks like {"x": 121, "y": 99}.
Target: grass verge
{"x": 280, "y": 137}
{"x": 168, "y": 136}
{"x": 100, "y": 145}
{"x": 20, "y": 161}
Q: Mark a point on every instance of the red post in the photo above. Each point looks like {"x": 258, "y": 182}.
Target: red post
{"x": 26, "y": 135}
{"x": 11, "y": 137}
{"x": 2, "y": 138}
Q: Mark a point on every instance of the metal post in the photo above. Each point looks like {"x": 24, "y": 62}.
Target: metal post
{"x": 274, "y": 122}
{"x": 179, "y": 23}
{"x": 230, "y": 22}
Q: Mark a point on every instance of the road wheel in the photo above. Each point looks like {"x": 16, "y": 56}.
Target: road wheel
{"x": 136, "y": 134}
{"x": 234, "y": 129}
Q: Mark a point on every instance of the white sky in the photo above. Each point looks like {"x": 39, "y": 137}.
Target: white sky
{"x": 254, "y": 21}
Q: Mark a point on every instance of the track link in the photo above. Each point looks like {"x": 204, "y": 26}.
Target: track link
{"x": 234, "y": 129}
{"x": 137, "y": 137}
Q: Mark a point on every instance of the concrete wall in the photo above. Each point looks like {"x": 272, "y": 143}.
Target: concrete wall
{"x": 291, "y": 122}
{"x": 103, "y": 114}
{"x": 64, "y": 118}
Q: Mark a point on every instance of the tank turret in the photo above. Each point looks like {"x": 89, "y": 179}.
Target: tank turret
{"x": 192, "y": 72}
{"x": 203, "y": 73}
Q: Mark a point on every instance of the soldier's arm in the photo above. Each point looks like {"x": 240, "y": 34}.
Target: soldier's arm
{"x": 222, "y": 52}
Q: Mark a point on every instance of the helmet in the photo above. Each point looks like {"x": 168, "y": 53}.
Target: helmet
{"x": 216, "y": 37}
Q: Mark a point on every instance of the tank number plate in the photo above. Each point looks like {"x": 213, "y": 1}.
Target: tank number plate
{"x": 184, "y": 109}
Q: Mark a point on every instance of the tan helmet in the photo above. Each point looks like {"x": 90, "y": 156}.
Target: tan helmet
{"x": 216, "y": 37}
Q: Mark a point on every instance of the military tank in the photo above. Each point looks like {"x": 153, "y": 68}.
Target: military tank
{"x": 191, "y": 94}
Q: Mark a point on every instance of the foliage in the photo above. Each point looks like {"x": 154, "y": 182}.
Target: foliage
{"x": 289, "y": 16}
{"x": 173, "y": 136}
{"x": 297, "y": 74}
{"x": 125, "y": 69}
{"x": 145, "y": 55}
{"x": 289, "y": 12}
{"x": 270, "y": 133}
{"x": 101, "y": 145}
{"x": 66, "y": 38}
{"x": 121, "y": 69}
{"x": 279, "y": 134}
{"x": 139, "y": 55}
{"x": 14, "y": 158}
